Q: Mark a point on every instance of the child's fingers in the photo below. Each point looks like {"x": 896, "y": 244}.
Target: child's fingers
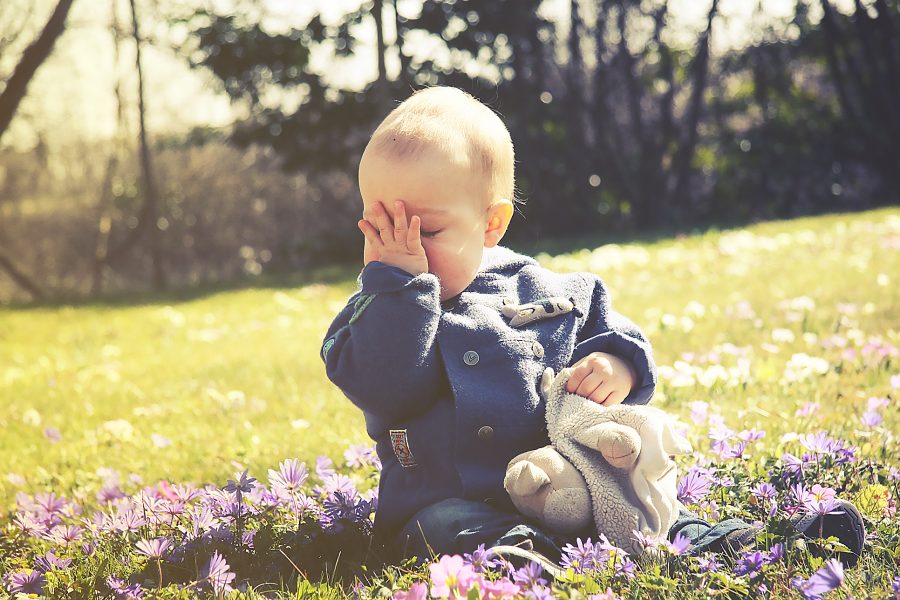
{"x": 602, "y": 393}
{"x": 370, "y": 232}
{"x": 589, "y": 384}
{"x": 399, "y": 221}
{"x": 383, "y": 223}
{"x": 581, "y": 370}
{"x": 414, "y": 235}
{"x": 615, "y": 397}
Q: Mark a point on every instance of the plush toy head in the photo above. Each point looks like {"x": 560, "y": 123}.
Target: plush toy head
{"x": 623, "y": 455}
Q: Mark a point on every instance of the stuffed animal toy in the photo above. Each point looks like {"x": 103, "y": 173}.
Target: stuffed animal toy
{"x": 610, "y": 465}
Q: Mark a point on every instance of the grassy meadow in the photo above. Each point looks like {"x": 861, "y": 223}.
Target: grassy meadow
{"x": 787, "y": 327}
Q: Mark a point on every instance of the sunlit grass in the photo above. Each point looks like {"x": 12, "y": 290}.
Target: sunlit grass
{"x": 194, "y": 390}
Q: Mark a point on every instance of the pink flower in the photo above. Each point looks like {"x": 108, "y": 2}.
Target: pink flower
{"x": 607, "y": 595}
{"x": 807, "y": 409}
{"x": 895, "y": 381}
{"x": 502, "y": 588}
{"x": 417, "y": 591}
{"x": 451, "y": 577}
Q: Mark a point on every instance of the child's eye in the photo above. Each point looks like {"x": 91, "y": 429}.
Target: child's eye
{"x": 430, "y": 234}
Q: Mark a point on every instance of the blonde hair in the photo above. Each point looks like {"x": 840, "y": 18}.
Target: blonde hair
{"x": 449, "y": 120}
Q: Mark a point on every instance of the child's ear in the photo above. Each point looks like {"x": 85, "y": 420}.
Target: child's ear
{"x": 498, "y": 218}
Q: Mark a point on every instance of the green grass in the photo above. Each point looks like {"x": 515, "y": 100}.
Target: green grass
{"x": 234, "y": 378}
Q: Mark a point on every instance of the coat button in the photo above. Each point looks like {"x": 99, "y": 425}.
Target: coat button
{"x": 537, "y": 349}
{"x": 471, "y": 358}
{"x": 485, "y": 433}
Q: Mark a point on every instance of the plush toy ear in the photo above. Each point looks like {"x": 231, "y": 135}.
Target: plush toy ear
{"x": 546, "y": 382}
{"x": 674, "y": 443}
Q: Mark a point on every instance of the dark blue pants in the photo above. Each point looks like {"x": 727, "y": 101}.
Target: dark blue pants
{"x": 457, "y": 526}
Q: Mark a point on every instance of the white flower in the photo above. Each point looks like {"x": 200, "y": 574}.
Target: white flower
{"x": 31, "y": 417}
{"x": 783, "y": 336}
{"x": 803, "y": 366}
{"x": 119, "y": 429}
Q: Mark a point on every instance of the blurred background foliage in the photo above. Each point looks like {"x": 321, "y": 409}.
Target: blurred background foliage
{"x": 625, "y": 123}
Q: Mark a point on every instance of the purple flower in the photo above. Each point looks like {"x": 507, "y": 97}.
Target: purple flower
{"x": 49, "y": 561}
{"x": 828, "y": 578}
{"x": 751, "y": 435}
{"x": 65, "y": 534}
{"x": 750, "y": 564}
{"x": 699, "y": 411}
{"x": 871, "y": 418}
{"x": 109, "y": 493}
{"x": 679, "y": 545}
{"x": 451, "y": 576}
{"x": 27, "y": 582}
{"x": 360, "y": 456}
{"x": 764, "y": 491}
{"x": 646, "y": 542}
{"x": 480, "y": 559}
{"x": 52, "y": 434}
{"x": 338, "y": 483}
{"x": 290, "y": 476}
{"x": 49, "y": 503}
{"x": 818, "y": 443}
{"x": 217, "y": 574}
{"x": 625, "y": 568}
{"x": 29, "y": 524}
{"x": 580, "y": 557}
{"x": 417, "y": 591}
{"x": 775, "y": 553}
{"x": 797, "y": 498}
{"x": 244, "y": 483}
{"x": 793, "y": 466}
{"x": 121, "y": 591}
{"x": 529, "y": 575}
{"x": 324, "y": 467}
{"x": 708, "y": 564}
{"x": 694, "y": 486}
{"x": 156, "y": 549}
{"x": 728, "y": 451}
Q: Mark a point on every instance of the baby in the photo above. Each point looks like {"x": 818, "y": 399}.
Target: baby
{"x": 448, "y": 386}
{"x": 445, "y": 342}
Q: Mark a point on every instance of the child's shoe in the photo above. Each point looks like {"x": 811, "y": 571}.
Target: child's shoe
{"x": 847, "y": 526}
{"x": 521, "y": 555}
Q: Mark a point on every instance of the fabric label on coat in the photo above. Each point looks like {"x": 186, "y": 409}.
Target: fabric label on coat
{"x": 400, "y": 444}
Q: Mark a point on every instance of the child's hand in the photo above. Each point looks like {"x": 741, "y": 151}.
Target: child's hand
{"x": 604, "y": 378}
{"x": 397, "y": 244}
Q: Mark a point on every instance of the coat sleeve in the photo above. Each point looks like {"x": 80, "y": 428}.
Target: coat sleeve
{"x": 605, "y": 330}
{"x": 381, "y": 348}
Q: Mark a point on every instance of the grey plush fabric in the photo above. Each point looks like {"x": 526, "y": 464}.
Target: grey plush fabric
{"x": 641, "y": 496}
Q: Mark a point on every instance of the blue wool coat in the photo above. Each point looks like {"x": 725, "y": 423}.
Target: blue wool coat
{"x": 450, "y": 391}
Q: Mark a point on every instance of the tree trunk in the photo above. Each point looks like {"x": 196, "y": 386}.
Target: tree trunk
{"x": 404, "y": 59}
{"x": 104, "y": 222}
{"x": 151, "y": 196}
{"x": 378, "y": 13}
{"x": 31, "y": 59}
{"x": 19, "y": 277}
{"x": 685, "y": 154}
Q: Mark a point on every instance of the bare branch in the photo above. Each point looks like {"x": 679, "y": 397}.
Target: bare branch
{"x": 32, "y": 58}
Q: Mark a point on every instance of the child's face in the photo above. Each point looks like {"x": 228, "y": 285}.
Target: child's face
{"x": 447, "y": 197}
